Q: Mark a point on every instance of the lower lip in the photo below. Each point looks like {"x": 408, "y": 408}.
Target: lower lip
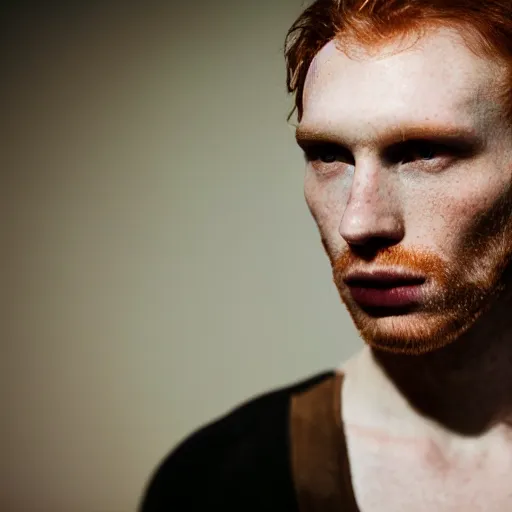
{"x": 395, "y": 297}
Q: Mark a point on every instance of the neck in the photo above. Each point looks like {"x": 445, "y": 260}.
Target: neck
{"x": 466, "y": 386}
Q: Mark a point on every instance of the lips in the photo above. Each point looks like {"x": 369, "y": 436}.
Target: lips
{"x": 384, "y": 289}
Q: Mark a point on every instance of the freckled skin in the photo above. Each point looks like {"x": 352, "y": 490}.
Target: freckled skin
{"x": 446, "y": 219}
{"x": 427, "y": 404}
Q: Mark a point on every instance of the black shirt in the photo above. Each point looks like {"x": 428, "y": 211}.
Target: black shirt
{"x": 238, "y": 462}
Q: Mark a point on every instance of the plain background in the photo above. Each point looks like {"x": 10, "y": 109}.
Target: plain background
{"x": 159, "y": 262}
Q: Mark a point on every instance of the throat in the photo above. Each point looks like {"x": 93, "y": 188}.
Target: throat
{"x": 465, "y": 387}
{"x": 392, "y": 446}
{"x": 396, "y": 394}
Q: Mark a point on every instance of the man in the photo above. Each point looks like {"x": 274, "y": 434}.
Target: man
{"x": 405, "y": 113}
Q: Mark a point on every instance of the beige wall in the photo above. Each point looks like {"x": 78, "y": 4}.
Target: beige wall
{"x": 160, "y": 264}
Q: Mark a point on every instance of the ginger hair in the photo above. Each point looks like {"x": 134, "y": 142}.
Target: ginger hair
{"x": 485, "y": 25}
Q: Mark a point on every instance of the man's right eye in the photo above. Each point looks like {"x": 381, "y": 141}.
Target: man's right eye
{"x": 328, "y": 158}
{"x": 327, "y": 154}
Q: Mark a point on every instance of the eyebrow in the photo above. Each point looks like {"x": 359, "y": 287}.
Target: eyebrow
{"x": 306, "y": 136}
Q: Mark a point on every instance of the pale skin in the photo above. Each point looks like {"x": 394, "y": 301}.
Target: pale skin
{"x": 430, "y": 429}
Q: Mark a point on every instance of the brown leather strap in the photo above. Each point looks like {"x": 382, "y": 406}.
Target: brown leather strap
{"x": 320, "y": 464}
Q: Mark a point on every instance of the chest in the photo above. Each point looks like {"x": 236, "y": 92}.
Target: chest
{"x": 396, "y": 475}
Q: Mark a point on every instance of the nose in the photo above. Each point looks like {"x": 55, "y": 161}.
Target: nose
{"x": 372, "y": 218}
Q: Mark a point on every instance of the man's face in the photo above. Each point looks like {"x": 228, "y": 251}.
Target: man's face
{"x": 409, "y": 169}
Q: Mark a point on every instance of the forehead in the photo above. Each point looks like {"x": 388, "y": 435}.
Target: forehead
{"x": 437, "y": 79}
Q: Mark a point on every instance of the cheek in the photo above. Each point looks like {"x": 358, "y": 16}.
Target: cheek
{"x": 326, "y": 202}
{"x": 456, "y": 215}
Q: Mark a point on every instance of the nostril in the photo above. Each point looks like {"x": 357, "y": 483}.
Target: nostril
{"x": 367, "y": 248}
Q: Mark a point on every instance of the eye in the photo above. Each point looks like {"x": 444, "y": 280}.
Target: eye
{"x": 328, "y": 158}
{"x": 328, "y": 154}
{"x": 418, "y": 150}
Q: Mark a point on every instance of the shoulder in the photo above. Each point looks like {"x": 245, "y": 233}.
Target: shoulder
{"x": 241, "y": 456}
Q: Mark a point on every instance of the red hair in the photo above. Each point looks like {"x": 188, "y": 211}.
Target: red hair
{"x": 485, "y": 25}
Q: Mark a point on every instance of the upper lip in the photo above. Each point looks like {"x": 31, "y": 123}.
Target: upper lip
{"x": 383, "y": 278}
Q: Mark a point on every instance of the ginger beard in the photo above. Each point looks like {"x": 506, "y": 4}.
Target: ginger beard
{"x": 456, "y": 294}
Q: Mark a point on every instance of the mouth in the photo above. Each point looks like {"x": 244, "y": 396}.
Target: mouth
{"x": 386, "y": 293}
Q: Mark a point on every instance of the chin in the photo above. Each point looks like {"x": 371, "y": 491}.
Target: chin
{"x": 416, "y": 333}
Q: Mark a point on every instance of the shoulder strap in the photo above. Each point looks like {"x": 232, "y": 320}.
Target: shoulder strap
{"x": 319, "y": 459}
